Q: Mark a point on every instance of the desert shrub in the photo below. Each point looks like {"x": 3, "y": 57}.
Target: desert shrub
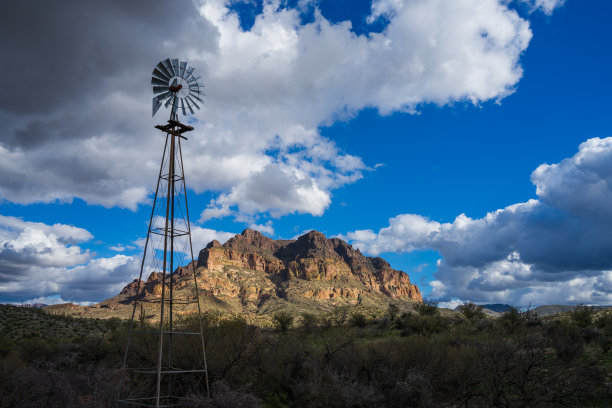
{"x": 392, "y": 311}
{"x": 582, "y": 315}
{"x": 340, "y": 315}
{"x": 604, "y": 323}
{"x": 310, "y": 322}
{"x": 427, "y": 308}
{"x": 590, "y": 333}
{"x": 113, "y": 323}
{"x": 471, "y": 310}
{"x": 283, "y": 321}
{"x": 93, "y": 350}
{"x": 359, "y": 319}
{"x": 36, "y": 350}
{"x": 6, "y": 345}
{"x": 412, "y": 391}
{"x": 421, "y": 325}
{"x": 334, "y": 389}
{"x": 565, "y": 339}
{"x": 223, "y": 396}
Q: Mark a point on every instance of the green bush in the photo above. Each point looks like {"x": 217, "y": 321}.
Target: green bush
{"x": 310, "y": 322}
{"x": 427, "y": 308}
{"x": 283, "y": 321}
{"x": 359, "y": 319}
{"x": 471, "y": 310}
{"x": 392, "y": 311}
{"x": 582, "y": 315}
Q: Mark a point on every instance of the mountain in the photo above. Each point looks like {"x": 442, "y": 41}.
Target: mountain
{"x": 254, "y": 275}
{"x": 549, "y": 310}
{"x": 497, "y": 307}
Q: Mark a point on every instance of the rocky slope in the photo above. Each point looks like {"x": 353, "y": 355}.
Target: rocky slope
{"x": 253, "y": 274}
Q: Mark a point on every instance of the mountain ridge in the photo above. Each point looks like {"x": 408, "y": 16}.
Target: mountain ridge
{"x": 255, "y": 275}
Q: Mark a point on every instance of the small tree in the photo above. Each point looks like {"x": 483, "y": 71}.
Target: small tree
{"x": 309, "y": 322}
{"x": 392, "y": 311}
{"x": 471, "y": 310}
{"x": 283, "y": 321}
{"x": 582, "y": 315}
{"x": 359, "y": 319}
{"x": 427, "y": 308}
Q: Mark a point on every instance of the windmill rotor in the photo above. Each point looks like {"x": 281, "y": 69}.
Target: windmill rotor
{"x": 176, "y": 86}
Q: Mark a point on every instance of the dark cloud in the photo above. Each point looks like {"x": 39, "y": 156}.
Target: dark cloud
{"x": 58, "y": 53}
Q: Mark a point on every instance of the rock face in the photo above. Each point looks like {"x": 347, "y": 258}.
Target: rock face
{"x": 257, "y": 276}
{"x": 310, "y": 258}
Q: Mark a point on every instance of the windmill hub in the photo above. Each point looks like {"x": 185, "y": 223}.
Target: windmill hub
{"x": 176, "y": 87}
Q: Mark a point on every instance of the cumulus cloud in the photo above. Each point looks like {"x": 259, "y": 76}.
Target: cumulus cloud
{"x": 202, "y": 236}
{"x": 557, "y": 248}
{"x": 266, "y": 228}
{"x": 39, "y": 260}
{"x": 85, "y": 131}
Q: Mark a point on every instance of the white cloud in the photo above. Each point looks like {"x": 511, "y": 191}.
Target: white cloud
{"x": 24, "y": 243}
{"x": 268, "y": 91}
{"x": 51, "y": 300}
{"x": 556, "y": 249}
{"x": 39, "y": 260}
{"x": 266, "y": 228}
{"x": 546, "y": 6}
{"x": 451, "y": 304}
{"x": 202, "y": 236}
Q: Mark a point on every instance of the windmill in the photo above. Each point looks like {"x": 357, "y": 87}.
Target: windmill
{"x": 149, "y": 358}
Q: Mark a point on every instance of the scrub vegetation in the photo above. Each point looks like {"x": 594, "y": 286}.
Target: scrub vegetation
{"x": 421, "y": 358}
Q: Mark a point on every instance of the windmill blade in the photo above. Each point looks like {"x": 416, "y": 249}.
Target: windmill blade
{"x": 194, "y": 79}
{"x": 160, "y": 99}
{"x": 168, "y": 66}
{"x": 183, "y": 66}
{"x": 162, "y": 71}
{"x": 188, "y": 105}
{"x": 183, "y": 107}
{"x": 193, "y": 102}
{"x": 193, "y": 95}
{"x": 175, "y": 67}
{"x": 188, "y": 74}
{"x": 170, "y": 100}
{"x": 158, "y": 89}
{"x": 157, "y": 81}
{"x": 163, "y": 96}
{"x": 156, "y": 105}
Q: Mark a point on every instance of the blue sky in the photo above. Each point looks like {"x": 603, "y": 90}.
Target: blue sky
{"x": 370, "y": 146}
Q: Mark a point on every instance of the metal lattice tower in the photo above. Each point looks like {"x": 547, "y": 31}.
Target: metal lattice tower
{"x": 150, "y": 359}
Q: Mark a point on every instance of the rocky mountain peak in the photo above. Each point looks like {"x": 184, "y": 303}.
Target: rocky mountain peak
{"x": 310, "y": 258}
{"x": 251, "y": 240}
{"x": 213, "y": 244}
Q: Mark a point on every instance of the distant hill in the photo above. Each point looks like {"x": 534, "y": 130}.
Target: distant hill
{"x": 497, "y": 307}
{"x": 255, "y": 275}
{"x": 548, "y": 310}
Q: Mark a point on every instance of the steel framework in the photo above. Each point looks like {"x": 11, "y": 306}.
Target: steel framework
{"x": 169, "y": 226}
